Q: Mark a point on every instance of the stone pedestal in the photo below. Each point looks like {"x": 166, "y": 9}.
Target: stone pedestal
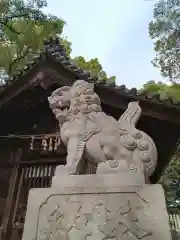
{"x": 102, "y": 206}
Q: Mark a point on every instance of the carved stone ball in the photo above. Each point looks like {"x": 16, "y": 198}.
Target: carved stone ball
{"x": 142, "y": 145}
{"x": 128, "y": 142}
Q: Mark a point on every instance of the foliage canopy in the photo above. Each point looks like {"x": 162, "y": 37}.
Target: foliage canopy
{"x": 23, "y": 28}
{"x": 165, "y": 31}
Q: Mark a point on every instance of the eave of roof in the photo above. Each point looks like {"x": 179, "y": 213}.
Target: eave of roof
{"x": 53, "y": 50}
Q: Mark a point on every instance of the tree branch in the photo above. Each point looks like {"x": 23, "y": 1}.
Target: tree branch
{"x": 9, "y": 18}
{"x": 10, "y": 27}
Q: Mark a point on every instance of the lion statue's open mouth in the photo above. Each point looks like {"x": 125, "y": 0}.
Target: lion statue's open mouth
{"x": 59, "y": 102}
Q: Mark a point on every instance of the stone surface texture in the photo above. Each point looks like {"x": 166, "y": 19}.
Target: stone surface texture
{"x": 97, "y": 207}
{"x": 114, "y": 203}
{"x": 91, "y": 135}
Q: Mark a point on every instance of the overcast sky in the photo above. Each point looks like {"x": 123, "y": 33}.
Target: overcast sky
{"x": 115, "y": 31}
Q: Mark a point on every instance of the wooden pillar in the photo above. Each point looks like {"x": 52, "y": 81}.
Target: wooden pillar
{"x": 10, "y": 199}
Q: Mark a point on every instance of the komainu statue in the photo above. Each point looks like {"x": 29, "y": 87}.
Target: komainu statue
{"x": 91, "y": 135}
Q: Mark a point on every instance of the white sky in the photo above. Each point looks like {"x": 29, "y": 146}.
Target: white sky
{"x": 115, "y": 31}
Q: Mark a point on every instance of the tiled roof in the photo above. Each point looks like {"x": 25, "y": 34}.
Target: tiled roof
{"x": 55, "y": 51}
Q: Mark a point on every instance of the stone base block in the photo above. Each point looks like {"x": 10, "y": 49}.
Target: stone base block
{"x": 80, "y": 210}
{"x": 107, "y": 173}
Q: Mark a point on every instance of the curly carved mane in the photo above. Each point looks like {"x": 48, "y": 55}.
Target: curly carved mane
{"x": 84, "y": 99}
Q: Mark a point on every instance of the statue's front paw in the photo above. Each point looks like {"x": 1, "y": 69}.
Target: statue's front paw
{"x": 72, "y": 170}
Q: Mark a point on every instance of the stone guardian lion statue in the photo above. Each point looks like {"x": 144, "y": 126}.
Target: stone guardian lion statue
{"x": 91, "y": 135}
